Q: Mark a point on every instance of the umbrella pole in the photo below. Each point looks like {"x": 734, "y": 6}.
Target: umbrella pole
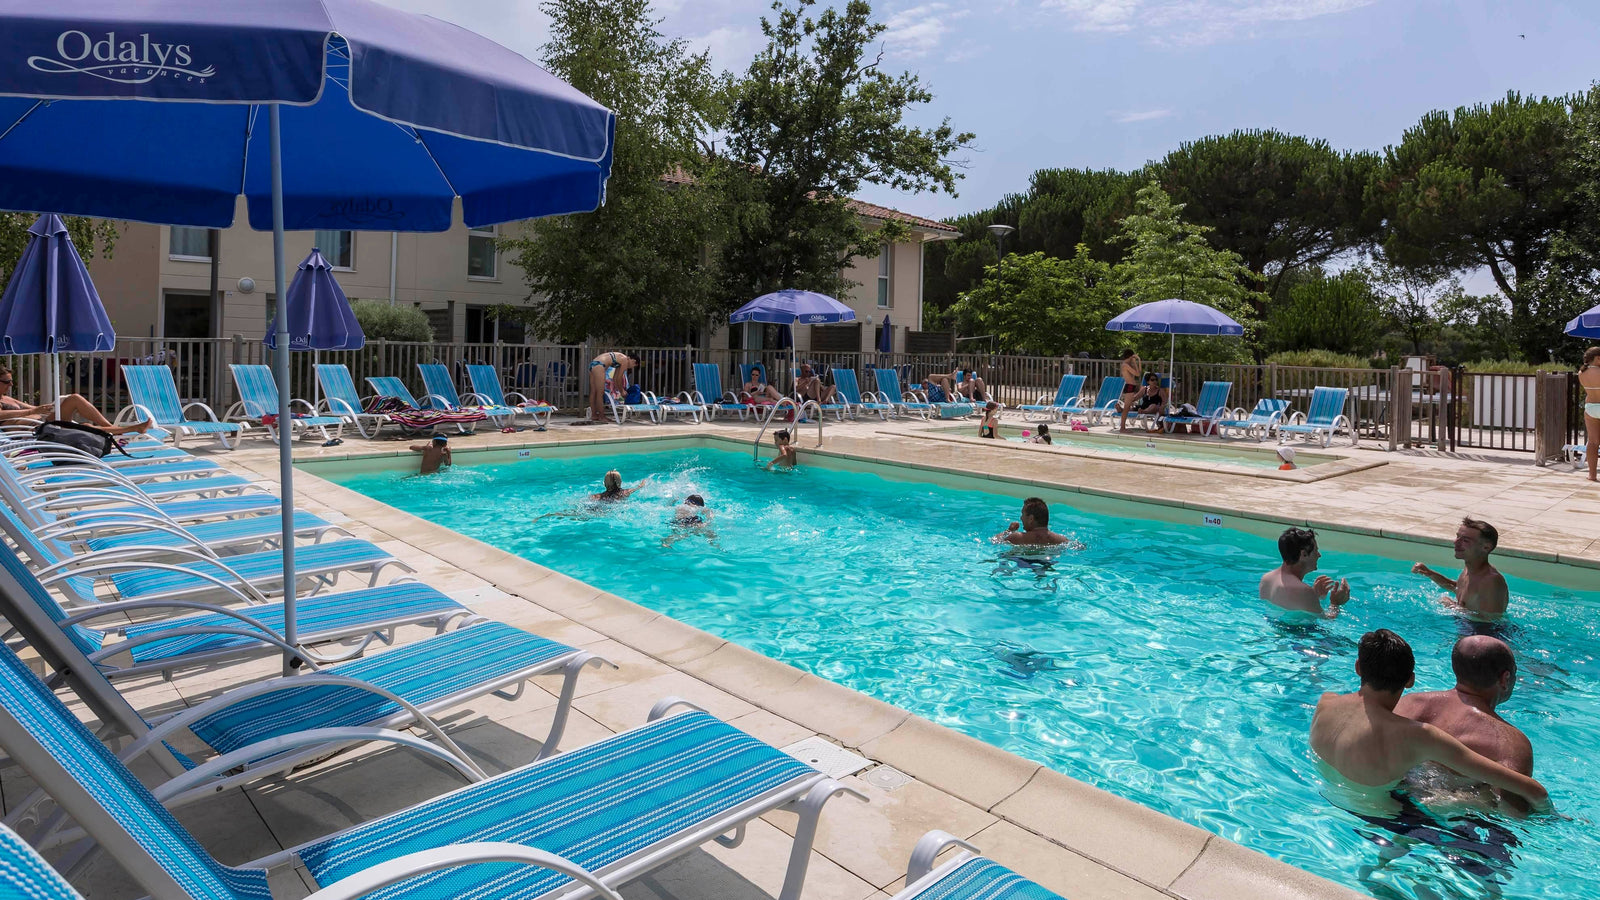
{"x": 55, "y": 379}
{"x": 1172, "y": 355}
{"x": 280, "y": 374}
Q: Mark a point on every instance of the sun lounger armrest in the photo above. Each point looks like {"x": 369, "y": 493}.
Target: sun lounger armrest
{"x": 242, "y": 590}
{"x": 928, "y": 848}
{"x": 134, "y": 554}
{"x": 211, "y": 414}
{"x": 68, "y": 524}
{"x": 454, "y": 855}
{"x": 77, "y": 499}
{"x": 516, "y": 399}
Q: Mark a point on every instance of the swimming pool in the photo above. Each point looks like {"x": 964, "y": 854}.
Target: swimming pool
{"x": 1143, "y": 664}
{"x": 1248, "y": 454}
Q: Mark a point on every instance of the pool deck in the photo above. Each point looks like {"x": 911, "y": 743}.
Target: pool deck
{"x": 1073, "y": 838}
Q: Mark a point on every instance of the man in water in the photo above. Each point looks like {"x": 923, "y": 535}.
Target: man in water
{"x": 1034, "y": 529}
{"x": 435, "y": 454}
{"x": 614, "y": 489}
{"x": 1286, "y": 585}
{"x": 1481, "y": 590}
{"x": 1369, "y": 748}
{"x": 1486, "y": 674}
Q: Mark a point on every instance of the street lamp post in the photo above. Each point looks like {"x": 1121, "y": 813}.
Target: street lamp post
{"x": 1000, "y": 232}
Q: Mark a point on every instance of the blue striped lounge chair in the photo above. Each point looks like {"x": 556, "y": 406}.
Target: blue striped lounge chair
{"x": 956, "y": 407}
{"x": 1067, "y": 399}
{"x": 888, "y": 384}
{"x": 708, "y": 392}
{"x": 850, "y": 391}
{"x": 340, "y": 398}
{"x": 964, "y": 876}
{"x": 83, "y": 483}
{"x": 192, "y": 569}
{"x": 620, "y": 808}
{"x": 272, "y": 726}
{"x": 486, "y": 386}
{"x": 1105, "y": 400}
{"x": 154, "y": 397}
{"x": 1212, "y": 407}
{"x": 621, "y": 412}
{"x": 1260, "y": 423}
{"x": 1322, "y": 419}
{"x": 414, "y": 416}
{"x": 442, "y": 395}
{"x": 683, "y": 405}
{"x": 25, "y": 874}
{"x": 258, "y": 405}
{"x": 1575, "y": 452}
{"x": 25, "y": 454}
{"x": 121, "y": 498}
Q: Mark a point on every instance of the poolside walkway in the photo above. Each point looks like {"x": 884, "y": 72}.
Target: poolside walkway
{"x": 1079, "y": 841}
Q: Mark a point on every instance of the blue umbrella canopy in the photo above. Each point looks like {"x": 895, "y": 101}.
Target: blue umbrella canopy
{"x": 386, "y": 116}
{"x": 323, "y": 114}
{"x": 886, "y": 337}
{"x": 1585, "y": 324}
{"x": 1175, "y": 317}
{"x": 50, "y": 304}
{"x": 320, "y": 317}
{"x": 789, "y": 307}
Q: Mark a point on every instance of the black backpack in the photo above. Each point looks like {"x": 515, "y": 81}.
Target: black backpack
{"x": 82, "y": 438}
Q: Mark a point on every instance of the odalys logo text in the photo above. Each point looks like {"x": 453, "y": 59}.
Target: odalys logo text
{"x": 125, "y": 59}
{"x": 361, "y": 210}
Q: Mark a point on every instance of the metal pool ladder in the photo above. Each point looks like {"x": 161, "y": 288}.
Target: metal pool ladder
{"x": 800, "y": 408}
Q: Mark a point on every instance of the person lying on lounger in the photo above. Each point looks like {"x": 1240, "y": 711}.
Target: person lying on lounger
{"x": 810, "y": 387}
{"x": 435, "y": 454}
{"x": 74, "y": 408}
{"x": 758, "y": 389}
{"x": 1151, "y": 399}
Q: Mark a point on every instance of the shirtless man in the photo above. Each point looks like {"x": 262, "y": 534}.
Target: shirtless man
{"x": 1361, "y": 739}
{"x": 1486, "y": 674}
{"x": 1286, "y": 585}
{"x": 810, "y": 387}
{"x": 1481, "y": 590}
{"x": 435, "y": 454}
{"x": 787, "y": 456}
{"x": 963, "y": 382}
{"x": 1034, "y": 529}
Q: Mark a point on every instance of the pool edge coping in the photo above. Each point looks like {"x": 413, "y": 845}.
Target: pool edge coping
{"x": 1157, "y": 850}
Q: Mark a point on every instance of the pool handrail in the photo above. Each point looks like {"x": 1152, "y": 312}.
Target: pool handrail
{"x": 800, "y": 407}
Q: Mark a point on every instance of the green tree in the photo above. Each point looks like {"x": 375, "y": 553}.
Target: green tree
{"x": 1338, "y": 313}
{"x": 1168, "y": 257}
{"x": 1284, "y": 203}
{"x": 636, "y": 270}
{"x": 90, "y": 236}
{"x": 1043, "y": 304}
{"x": 380, "y": 320}
{"x": 1411, "y": 297}
{"x": 1486, "y": 186}
{"x": 814, "y": 120}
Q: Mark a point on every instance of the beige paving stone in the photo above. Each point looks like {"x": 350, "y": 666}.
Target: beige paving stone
{"x": 775, "y": 730}
{"x": 1137, "y": 840}
{"x": 737, "y": 668}
{"x": 670, "y": 641}
{"x": 1062, "y": 871}
{"x": 627, "y": 706}
{"x": 1227, "y": 871}
{"x": 874, "y": 839}
{"x": 630, "y": 666}
{"x": 760, "y": 862}
{"x": 850, "y": 717}
{"x": 978, "y": 773}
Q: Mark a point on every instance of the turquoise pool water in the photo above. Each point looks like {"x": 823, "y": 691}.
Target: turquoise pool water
{"x": 1143, "y": 664}
{"x": 1249, "y": 454}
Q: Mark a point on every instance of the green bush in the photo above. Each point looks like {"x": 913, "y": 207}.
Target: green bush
{"x": 1318, "y": 359}
{"x": 380, "y": 321}
{"x": 1513, "y": 367}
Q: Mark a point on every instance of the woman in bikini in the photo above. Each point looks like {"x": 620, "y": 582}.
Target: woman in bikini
{"x": 608, "y": 371}
{"x": 1589, "y": 377}
{"x": 757, "y": 388}
{"x": 74, "y": 407}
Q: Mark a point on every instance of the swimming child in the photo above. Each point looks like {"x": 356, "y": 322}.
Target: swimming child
{"x": 787, "y": 457}
{"x": 435, "y": 454}
{"x": 1287, "y": 455}
{"x": 614, "y": 489}
{"x": 691, "y": 517}
{"x": 990, "y": 426}
{"x": 1041, "y": 436}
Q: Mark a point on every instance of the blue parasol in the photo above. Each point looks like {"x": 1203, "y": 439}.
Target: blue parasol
{"x": 1175, "y": 317}
{"x": 323, "y": 114}
{"x": 1585, "y": 324}
{"x": 50, "y": 304}
{"x": 788, "y": 307}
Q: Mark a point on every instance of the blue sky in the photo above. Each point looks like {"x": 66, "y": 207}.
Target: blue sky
{"x": 1114, "y": 83}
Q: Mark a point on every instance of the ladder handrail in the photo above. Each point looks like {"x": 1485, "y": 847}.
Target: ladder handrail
{"x": 800, "y": 407}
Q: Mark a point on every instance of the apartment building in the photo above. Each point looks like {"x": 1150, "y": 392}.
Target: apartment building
{"x": 157, "y": 282}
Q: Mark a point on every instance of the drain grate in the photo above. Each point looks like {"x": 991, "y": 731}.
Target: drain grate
{"x": 832, "y": 761}
{"x": 886, "y": 778}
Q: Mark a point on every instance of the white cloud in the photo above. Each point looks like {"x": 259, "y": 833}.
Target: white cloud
{"x": 1145, "y": 115}
{"x": 918, "y": 31}
{"x": 731, "y": 47}
{"x": 1194, "y": 21}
